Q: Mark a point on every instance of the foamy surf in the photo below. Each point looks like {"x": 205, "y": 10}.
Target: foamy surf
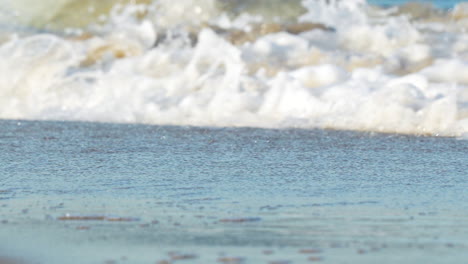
{"x": 324, "y": 64}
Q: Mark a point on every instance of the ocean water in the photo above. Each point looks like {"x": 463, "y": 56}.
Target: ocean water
{"x": 117, "y": 193}
{"x": 438, "y": 3}
{"x": 233, "y": 131}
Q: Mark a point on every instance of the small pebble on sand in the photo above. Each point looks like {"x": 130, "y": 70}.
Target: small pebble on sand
{"x": 310, "y": 251}
{"x": 231, "y": 260}
{"x": 82, "y": 218}
{"x": 314, "y": 259}
{"x": 240, "y": 220}
{"x": 280, "y": 262}
{"x": 181, "y": 256}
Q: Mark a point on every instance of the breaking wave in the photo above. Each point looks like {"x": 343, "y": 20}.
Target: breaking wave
{"x": 310, "y": 64}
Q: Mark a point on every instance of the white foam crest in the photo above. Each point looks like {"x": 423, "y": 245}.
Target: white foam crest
{"x": 31, "y": 12}
{"x": 189, "y": 12}
{"x": 448, "y": 70}
{"x": 358, "y": 32}
{"x": 33, "y": 72}
{"x": 309, "y": 80}
{"x": 381, "y": 39}
{"x": 336, "y": 13}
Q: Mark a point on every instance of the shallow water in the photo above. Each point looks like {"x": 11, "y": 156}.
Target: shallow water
{"x": 90, "y": 193}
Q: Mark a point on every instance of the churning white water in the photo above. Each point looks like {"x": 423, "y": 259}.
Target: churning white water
{"x": 324, "y": 64}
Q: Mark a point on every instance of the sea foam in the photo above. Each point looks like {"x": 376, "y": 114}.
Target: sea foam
{"x": 346, "y": 65}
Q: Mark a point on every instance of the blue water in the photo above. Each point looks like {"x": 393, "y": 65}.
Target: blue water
{"x": 438, "y": 3}
{"x": 252, "y": 195}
